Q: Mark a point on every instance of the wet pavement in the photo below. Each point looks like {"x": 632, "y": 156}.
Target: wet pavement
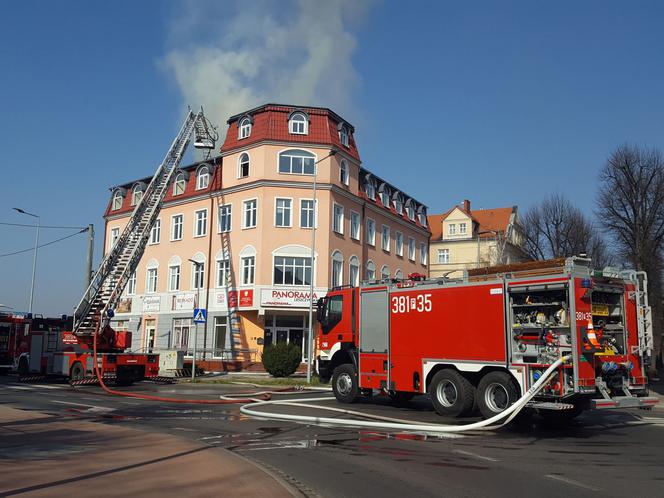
{"x": 610, "y": 453}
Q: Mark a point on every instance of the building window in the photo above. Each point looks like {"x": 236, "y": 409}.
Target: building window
{"x": 371, "y": 232}
{"x": 370, "y": 189}
{"x": 337, "y": 269}
{"x": 117, "y": 200}
{"x": 398, "y": 244}
{"x": 248, "y": 270}
{"x": 181, "y": 330}
{"x": 200, "y": 228}
{"x": 131, "y": 285}
{"x": 338, "y": 218}
{"x": 202, "y": 178}
{"x": 225, "y": 218}
{"x": 385, "y": 197}
{"x": 423, "y": 253}
{"x": 223, "y": 272}
{"x": 136, "y": 195}
{"x": 282, "y": 212}
{"x": 178, "y": 184}
{"x": 354, "y": 225}
{"x": 354, "y": 271}
{"x": 398, "y": 204}
{"x": 385, "y": 272}
{"x": 398, "y": 275}
{"x": 343, "y": 172}
{"x": 151, "y": 281}
{"x": 411, "y": 212}
{"x": 198, "y": 275}
{"x": 462, "y": 228}
{"x": 371, "y": 271}
{"x": 306, "y": 213}
{"x": 292, "y": 270}
{"x": 298, "y": 124}
{"x": 443, "y": 256}
{"x": 411, "y": 248}
{"x": 243, "y": 166}
{"x": 115, "y": 235}
{"x": 385, "y": 238}
{"x": 423, "y": 216}
{"x": 177, "y": 223}
{"x": 451, "y": 229}
{"x": 244, "y": 129}
{"x": 174, "y": 278}
{"x": 297, "y": 162}
{"x": 250, "y": 209}
{"x": 220, "y": 334}
{"x": 155, "y": 233}
{"x": 343, "y": 135}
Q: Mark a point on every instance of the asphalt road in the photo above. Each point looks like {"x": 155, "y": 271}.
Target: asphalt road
{"x": 613, "y": 453}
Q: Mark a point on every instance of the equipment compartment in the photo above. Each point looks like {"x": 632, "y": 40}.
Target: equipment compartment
{"x": 608, "y": 318}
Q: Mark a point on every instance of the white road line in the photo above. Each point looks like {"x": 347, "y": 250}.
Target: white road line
{"x": 44, "y": 386}
{"x": 475, "y": 455}
{"x": 92, "y": 407}
{"x": 571, "y": 481}
{"x": 20, "y": 388}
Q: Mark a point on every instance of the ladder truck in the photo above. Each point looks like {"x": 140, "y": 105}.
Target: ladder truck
{"x": 91, "y": 330}
{"x": 483, "y": 340}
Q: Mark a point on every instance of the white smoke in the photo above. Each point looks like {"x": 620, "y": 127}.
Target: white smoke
{"x": 234, "y": 57}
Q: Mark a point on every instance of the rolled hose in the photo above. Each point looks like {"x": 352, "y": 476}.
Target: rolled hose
{"x": 505, "y": 416}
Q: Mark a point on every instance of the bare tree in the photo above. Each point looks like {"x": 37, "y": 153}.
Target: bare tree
{"x": 630, "y": 202}
{"x": 556, "y": 228}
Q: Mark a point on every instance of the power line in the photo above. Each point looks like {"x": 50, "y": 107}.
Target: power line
{"x": 34, "y": 226}
{"x": 44, "y": 245}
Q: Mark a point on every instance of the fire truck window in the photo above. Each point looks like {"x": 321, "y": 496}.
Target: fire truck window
{"x": 332, "y": 313}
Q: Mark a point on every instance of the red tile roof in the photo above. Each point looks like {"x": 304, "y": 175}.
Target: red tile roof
{"x": 495, "y": 219}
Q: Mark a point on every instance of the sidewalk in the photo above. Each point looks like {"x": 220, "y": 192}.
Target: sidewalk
{"x": 43, "y": 455}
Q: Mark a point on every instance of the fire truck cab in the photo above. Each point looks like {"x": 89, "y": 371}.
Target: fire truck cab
{"x": 483, "y": 340}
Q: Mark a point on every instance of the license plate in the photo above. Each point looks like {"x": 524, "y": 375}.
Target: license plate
{"x": 600, "y": 310}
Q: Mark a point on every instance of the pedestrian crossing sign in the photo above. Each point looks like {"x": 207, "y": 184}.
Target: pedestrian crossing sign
{"x": 200, "y": 315}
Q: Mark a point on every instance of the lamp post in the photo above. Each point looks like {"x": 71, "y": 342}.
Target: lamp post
{"x": 310, "y": 342}
{"x": 34, "y": 259}
{"x": 197, "y": 265}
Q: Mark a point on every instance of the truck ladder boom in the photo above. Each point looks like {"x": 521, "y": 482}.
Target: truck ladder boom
{"x": 120, "y": 262}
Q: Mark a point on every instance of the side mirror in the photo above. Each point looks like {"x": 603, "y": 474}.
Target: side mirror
{"x": 320, "y": 307}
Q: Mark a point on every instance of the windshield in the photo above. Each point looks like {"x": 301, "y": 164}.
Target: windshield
{"x": 330, "y": 314}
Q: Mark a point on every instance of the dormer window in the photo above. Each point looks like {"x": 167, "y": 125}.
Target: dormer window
{"x": 343, "y": 135}
{"x": 422, "y": 215}
{"x": 410, "y": 210}
{"x": 385, "y": 195}
{"x": 343, "y": 172}
{"x": 117, "y": 200}
{"x": 370, "y": 188}
{"x": 179, "y": 184}
{"x": 244, "y": 128}
{"x": 137, "y": 194}
{"x": 202, "y": 178}
{"x": 298, "y": 124}
{"x": 398, "y": 203}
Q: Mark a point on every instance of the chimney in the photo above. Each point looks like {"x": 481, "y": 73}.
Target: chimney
{"x": 466, "y": 205}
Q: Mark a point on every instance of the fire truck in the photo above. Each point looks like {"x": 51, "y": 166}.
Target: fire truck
{"x": 483, "y": 340}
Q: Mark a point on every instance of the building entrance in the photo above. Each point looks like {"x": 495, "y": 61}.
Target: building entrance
{"x": 290, "y": 329}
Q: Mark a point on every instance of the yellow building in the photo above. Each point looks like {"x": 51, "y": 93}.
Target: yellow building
{"x": 463, "y": 239}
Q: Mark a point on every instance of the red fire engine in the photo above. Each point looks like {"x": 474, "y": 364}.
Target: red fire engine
{"x": 483, "y": 340}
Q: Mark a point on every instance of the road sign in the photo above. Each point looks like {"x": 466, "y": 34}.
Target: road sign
{"x": 200, "y": 315}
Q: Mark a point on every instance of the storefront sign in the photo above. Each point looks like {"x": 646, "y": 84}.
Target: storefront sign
{"x": 151, "y": 303}
{"x": 220, "y": 299}
{"x": 124, "y": 305}
{"x": 243, "y": 298}
{"x": 289, "y": 298}
{"x": 184, "y": 301}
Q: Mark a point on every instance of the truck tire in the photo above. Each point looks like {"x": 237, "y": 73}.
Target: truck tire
{"x": 345, "y": 384}
{"x": 77, "y": 371}
{"x": 496, "y": 391}
{"x": 23, "y": 367}
{"x": 452, "y": 395}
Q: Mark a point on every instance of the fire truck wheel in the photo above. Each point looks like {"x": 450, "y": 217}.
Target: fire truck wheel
{"x": 77, "y": 372}
{"x": 495, "y": 393}
{"x": 344, "y": 383}
{"x": 451, "y": 393}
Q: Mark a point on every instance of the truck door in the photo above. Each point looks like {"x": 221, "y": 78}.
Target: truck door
{"x": 374, "y": 338}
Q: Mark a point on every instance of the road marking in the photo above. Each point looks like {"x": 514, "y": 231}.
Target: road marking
{"x": 20, "y": 388}
{"x": 44, "y": 386}
{"x": 571, "y": 481}
{"x": 475, "y": 455}
{"x": 95, "y": 408}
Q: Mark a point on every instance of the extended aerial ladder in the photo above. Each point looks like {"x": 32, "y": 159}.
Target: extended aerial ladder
{"x": 95, "y": 309}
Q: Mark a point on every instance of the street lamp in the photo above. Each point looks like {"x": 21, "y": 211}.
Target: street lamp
{"x": 198, "y": 303}
{"x": 310, "y": 342}
{"x": 34, "y": 260}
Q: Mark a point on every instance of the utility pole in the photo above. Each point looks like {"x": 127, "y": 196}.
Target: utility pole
{"x": 88, "y": 263}
{"x": 198, "y": 301}
{"x": 34, "y": 260}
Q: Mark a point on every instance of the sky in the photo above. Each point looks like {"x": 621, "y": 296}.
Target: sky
{"x": 501, "y": 103}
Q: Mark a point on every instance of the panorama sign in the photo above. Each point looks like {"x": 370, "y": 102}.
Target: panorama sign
{"x": 289, "y": 298}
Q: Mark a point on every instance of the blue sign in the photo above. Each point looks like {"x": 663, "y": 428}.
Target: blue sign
{"x": 200, "y": 315}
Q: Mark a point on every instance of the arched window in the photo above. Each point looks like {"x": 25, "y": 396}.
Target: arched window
{"x": 198, "y": 271}
{"x": 370, "y": 187}
{"x": 179, "y": 184}
{"x": 370, "y": 273}
{"x": 354, "y": 271}
{"x": 422, "y": 214}
{"x": 385, "y": 272}
{"x": 202, "y": 177}
{"x": 298, "y": 124}
{"x": 343, "y": 172}
{"x": 243, "y": 165}
{"x": 337, "y": 269}
{"x": 343, "y": 135}
{"x": 297, "y": 162}
{"x": 117, "y": 200}
{"x": 384, "y": 191}
{"x": 244, "y": 128}
{"x": 137, "y": 193}
{"x": 410, "y": 209}
{"x": 398, "y": 274}
{"x": 398, "y": 202}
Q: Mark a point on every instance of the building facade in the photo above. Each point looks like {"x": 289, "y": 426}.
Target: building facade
{"x": 235, "y": 236}
{"x": 463, "y": 239}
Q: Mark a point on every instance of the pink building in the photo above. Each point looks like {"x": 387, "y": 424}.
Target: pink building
{"x": 246, "y": 217}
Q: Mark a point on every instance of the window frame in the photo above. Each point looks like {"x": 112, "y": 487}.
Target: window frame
{"x": 290, "y": 212}
{"x": 135, "y": 193}
{"x": 344, "y": 172}
{"x": 113, "y": 237}
{"x": 196, "y": 222}
{"x": 451, "y": 229}
{"x": 173, "y": 216}
{"x": 337, "y": 269}
{"x": 366, "y": 270}
{"x": 446, "y": 256}
{"x": 251, "y": 267}
{"x": 117, "y": 200}
{"x": 398, "y": 243}
{"x": 148, "y": 280}
{"x": 195, "y": 274}
{"x": 156, "y": 229}
{"x": 355, "y": 234}
{"x": 354, "y": 262}
{"x": 338, "y": 227}
{"x": 314, "y": 213}
{"x": 463, "y": 228}
{"x": 412, "y": 249}
{"x": 228, "y": 216}
{"x": 179, "y": 179}
{"x": 220, "y": 283}
{"x": 344, "y": 135}
{"x": 304, "y": 122}
{"x": 131, "y": 284}
{"x": 244, "y": 213}
{"x": 385, "y": 246}
{"x": 203, "y": 172}
{"x": 240, "y": 163}
{"x": 303, "y": 266}
{"x": 424, "y": 254}
{"x": 371, "y": 237}
{"x": 303, "y": 173}
{"x": 244, "y": 128}
{"x": 170, "y": 277}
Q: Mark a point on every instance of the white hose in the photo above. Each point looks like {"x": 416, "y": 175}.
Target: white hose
{"x": 518, "y": 405}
